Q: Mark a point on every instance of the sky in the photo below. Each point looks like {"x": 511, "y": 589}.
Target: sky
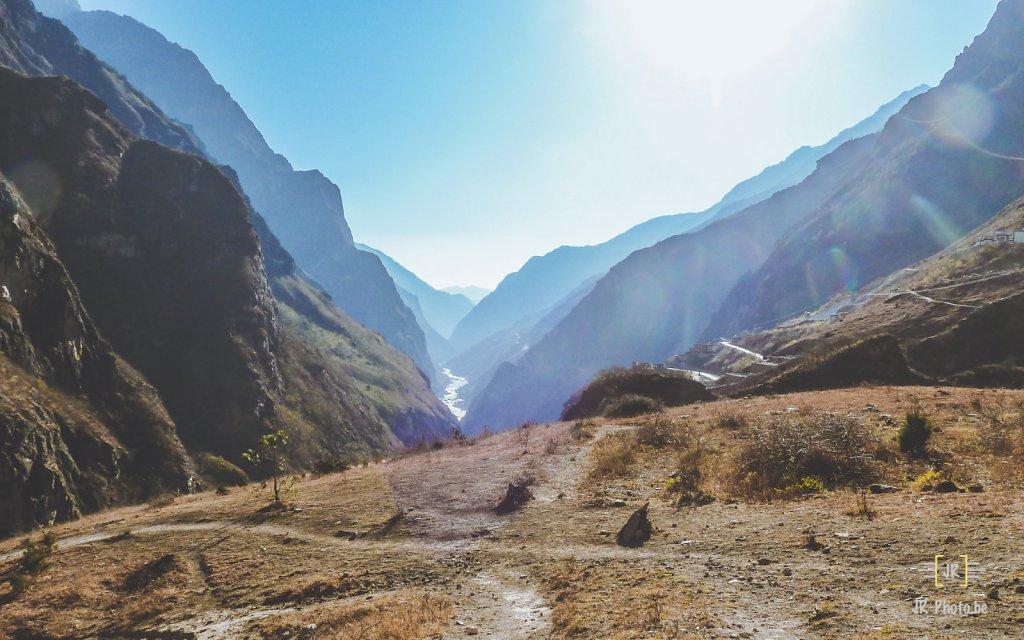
{"x": 469, "y": 135}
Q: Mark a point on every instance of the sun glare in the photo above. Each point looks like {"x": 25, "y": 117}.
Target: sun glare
{"x": 698, "y": 42}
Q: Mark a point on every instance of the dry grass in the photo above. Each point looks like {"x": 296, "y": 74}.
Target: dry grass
{"x": 613, "y": 457}
{"x": 582, "y": 431}
{"x": 411, "y": 615}
{"x": 789, "y": 453}
{"x": 634, "y": 601}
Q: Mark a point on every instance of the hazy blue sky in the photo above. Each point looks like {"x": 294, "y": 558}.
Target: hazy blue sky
{"x": 469, "y": 135}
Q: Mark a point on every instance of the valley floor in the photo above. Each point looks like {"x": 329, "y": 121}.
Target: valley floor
{"x": 411, "y": 548}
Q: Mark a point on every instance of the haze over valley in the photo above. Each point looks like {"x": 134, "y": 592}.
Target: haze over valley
{"x": 591, "y": 319}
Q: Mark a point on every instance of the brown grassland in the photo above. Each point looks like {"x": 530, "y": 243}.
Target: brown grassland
{"x": 763, "y": 528}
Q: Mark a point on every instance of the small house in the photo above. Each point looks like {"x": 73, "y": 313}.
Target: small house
{"x": 1018, "y": 237}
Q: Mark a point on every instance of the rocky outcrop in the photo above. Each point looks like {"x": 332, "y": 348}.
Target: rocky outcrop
{"x": 79, "y": 428}
{"x": 666, "y": 387}
{"x": 637, "y": 529}
{"x": 161, "y": 249}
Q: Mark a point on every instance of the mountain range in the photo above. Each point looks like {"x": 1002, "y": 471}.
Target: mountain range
{"x": 303, "y": 208}
{"x": 875, "y": 204}
{"x": 545, "y": 280}
{"x": 149, "y": 317}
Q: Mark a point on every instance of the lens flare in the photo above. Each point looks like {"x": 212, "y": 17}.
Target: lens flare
{"x": 935, "y": 221}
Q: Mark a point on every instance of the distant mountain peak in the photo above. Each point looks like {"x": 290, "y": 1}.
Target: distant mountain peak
{"x": 59, "y": 9}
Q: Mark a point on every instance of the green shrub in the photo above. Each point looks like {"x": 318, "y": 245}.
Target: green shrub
{"x": 629, "y": 406}
{"x": 221, "y": 472}
{"x": 809, "y": 484}
{"x": 915, "y": 432}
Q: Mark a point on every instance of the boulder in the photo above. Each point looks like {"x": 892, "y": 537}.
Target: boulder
{"x": 515, "y": 498}
{"x": 637, "y": 529}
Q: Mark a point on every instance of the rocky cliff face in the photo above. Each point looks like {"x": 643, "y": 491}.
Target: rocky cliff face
{"x": 302, "y": 208}
{"x": 123, "y": 264}
{"x": 79, "y": 428}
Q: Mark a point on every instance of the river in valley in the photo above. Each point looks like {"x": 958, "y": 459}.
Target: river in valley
{"x": 451, "y": 394}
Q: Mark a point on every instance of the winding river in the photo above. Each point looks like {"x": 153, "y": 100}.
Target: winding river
{"x": 451, "y": 394}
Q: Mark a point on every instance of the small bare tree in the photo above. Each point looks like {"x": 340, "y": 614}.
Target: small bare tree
{"x": 270, "y": 452}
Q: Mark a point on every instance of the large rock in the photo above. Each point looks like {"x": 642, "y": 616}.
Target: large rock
{"x": 515, "y": 498}
{"x": 637, "y": 529}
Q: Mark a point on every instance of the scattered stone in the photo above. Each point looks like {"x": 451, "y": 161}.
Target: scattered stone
{"x": 993, "y": 594}
{"x": 882, "y": 488}
{"x": 949, "y": 540}
{"x": 946, "y": 486}
{"x": 345, "y": 534}
{"x": 516, "y": 497}
{"x": 811, "y": 543}
{"x": 637, "y": 529}
{"x": 764, "y": 561}
{"x": 787, "y": 571}
{"x": 976, "y": 488}
{"x": 472, "y": 631}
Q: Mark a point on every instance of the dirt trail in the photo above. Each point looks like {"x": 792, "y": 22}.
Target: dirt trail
{"x": 446, "y": 507}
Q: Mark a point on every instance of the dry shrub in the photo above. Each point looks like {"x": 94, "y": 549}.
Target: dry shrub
{"x": 915, "y": 432}
{"x": 785, "y": 452}
{"x": 523, "y": 433}
{"x": 582, "y": 430}
{"x": 613, "y": 457}
{"x": 629, "y": 406}
{"x": 1002, "y": 428}
{"x": 410, "y": 616}
{"x": 658, "y": 433}
{"x": 732, "y": 422}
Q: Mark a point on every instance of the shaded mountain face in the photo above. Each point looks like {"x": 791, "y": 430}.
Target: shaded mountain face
{"x": 442, "y": 310}
{"x": 161, "y": 248}
{"x": 79, "y": 428}
{"x": 123, "y": 255}
{"x": 303, "y": 208}
{"x": 545, "y": 280}
{"x": 39, "y": 46}
{"x": 947, "y": 162}
{"x": 656, "y": 302}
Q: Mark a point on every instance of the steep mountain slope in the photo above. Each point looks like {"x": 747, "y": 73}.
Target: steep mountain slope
{"x": 947, "y": 162}
{"x": 80, "y": 429}
{"x": 478, "y": 364}
{"x": 303, "y": 208}
{"x": 162, "y": 249}
{"x": 37, "y": 45}
{"x": 656, "y": 302}
{"x": 957, "y": 314}
{"x": 442, "y": 310}
{"x": 544, "y": 280}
